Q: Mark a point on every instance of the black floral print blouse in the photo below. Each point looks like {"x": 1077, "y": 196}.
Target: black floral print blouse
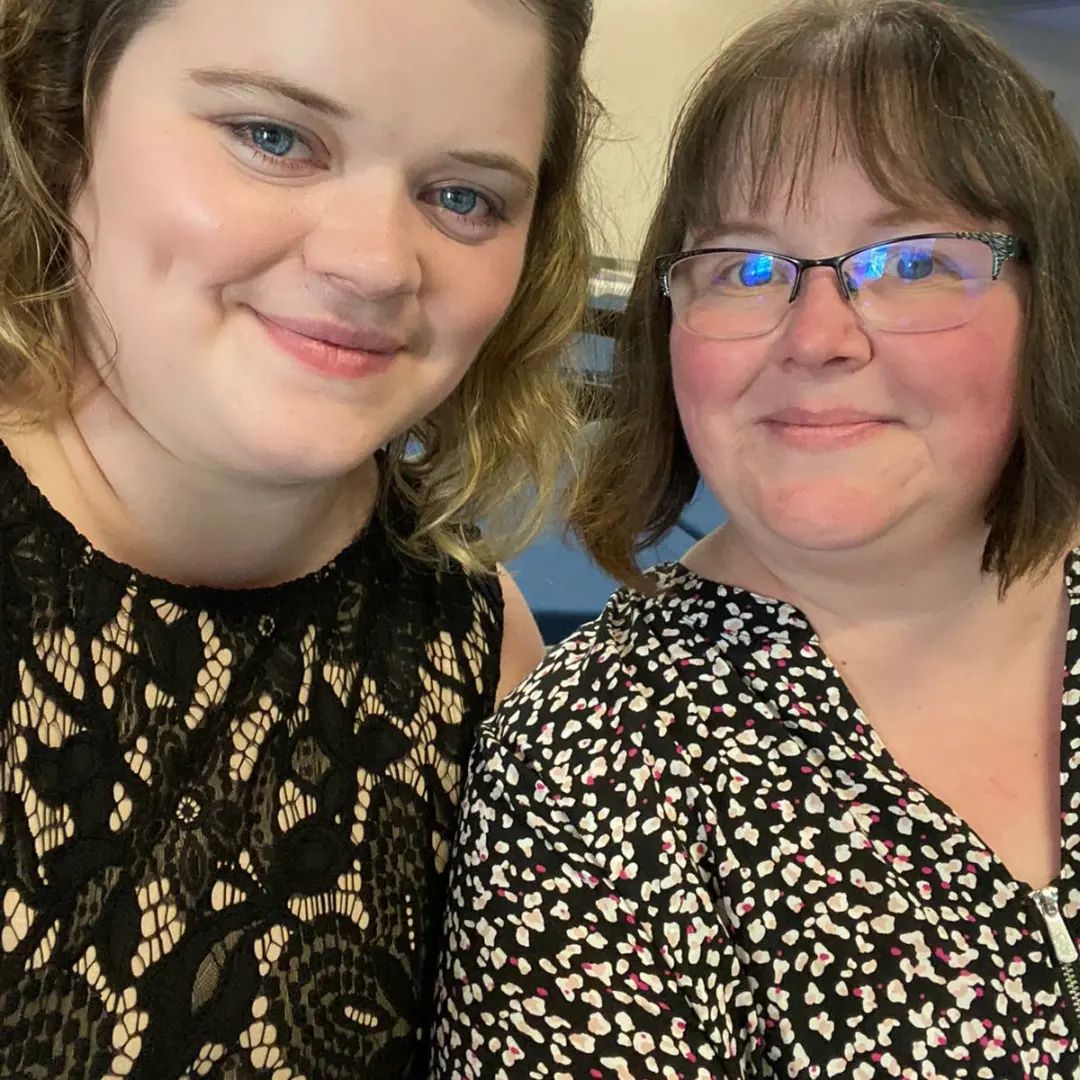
{"x": 225, "y": 816}
{"x": 685, "y": 854}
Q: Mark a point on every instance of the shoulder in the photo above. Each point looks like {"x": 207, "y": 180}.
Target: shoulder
{"x": 680, "y": 666}
{"x": 522, "y": 646}
{"x": 417, "y": 603}
{"x": 651, "y": 710}
{"x": 642, "y": 665}
{"x": 604, "y": 727}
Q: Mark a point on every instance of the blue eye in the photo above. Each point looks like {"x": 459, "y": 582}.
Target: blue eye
{"x": 756, "y": 270}
{"x": 459, "y": 200}
{"x": 914, "y": 263}
{"x": 272, "y": 139}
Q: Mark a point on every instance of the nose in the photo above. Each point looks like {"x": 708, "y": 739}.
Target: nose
{"x": 821, "y": 326}
{"x": 366, "y": 238}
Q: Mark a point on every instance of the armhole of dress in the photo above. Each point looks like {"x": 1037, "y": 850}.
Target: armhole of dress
{"x": 491, "y": 586}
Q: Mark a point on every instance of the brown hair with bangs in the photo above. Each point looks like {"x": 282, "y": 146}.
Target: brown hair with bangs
{"x": 497, "y": 445}
{"x": 935, "y": 112}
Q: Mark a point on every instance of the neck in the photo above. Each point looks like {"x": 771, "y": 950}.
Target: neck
{"x": 186, "y": 522}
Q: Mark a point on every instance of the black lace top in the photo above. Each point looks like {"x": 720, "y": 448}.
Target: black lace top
{"x": 224, "y": 816}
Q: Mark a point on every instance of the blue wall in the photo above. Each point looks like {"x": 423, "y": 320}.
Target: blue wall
{"x": 563, "y": 587}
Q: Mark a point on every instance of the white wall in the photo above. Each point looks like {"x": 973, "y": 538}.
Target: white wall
{"x": 642, "y": 58}
{"x": 1051, "y": 52}
{"x": 644, "y": 55}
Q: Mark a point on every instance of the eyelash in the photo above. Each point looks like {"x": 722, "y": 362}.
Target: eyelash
{"x": 494, "y": 214}
{"x": 243, "y": 131}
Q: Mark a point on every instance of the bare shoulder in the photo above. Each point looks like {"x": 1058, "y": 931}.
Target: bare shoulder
{"x": 522, "y": 645}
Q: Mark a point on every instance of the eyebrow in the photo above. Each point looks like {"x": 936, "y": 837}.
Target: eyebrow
{"x": 894, "y": 216}
{"x": 900, "y": 215}
{"x": 488, "y": 159}
{"x": 733, "y": 225}
{"x": 239, "y": 79}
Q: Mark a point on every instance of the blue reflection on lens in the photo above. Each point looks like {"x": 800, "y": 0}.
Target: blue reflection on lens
{"x": 914, "y": 263}
{"x": 757, "y": 270}
{"x": 870, "y": 265}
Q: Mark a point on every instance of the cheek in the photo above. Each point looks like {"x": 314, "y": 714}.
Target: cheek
{"x": 474, "y": 289}
{"x": 468, "y": 292}
{"x": 166, "y": 209}
{"x": 968, "y": 389}
{"x": 709, "y": 379}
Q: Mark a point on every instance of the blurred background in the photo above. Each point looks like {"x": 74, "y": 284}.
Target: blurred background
{"x": 643, "y": 57}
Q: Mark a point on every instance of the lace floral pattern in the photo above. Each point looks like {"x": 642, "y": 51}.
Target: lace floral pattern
{"x": 224, "y": 817}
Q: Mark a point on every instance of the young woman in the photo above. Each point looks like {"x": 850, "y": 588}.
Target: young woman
{"x": 805, "y": 804}
{"x": 284, "y": 290}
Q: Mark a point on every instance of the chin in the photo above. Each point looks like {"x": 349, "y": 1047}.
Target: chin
{"x": 824, "y": 536}
{"x": 819, "y": 521}
{"x": 307, "y": 459}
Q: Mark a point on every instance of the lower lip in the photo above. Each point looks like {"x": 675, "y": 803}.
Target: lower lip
{"x": 334, "y": 361}
{"x": 825, "y": 436}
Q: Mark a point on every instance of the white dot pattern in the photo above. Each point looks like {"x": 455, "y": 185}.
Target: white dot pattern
{"x": 685, "y": 854}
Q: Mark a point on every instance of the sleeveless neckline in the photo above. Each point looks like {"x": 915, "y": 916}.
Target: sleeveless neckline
{"x": 225, "y": 815}
{"x": 210, "y": 597}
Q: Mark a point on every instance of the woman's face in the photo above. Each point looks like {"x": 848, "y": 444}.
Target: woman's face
{"x": 824, "y": 435}
{"x": 304, "y": 217}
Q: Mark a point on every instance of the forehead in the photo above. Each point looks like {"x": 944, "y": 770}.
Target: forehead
{"x": 459, "y": 69}
{"x": 831, "y": 194}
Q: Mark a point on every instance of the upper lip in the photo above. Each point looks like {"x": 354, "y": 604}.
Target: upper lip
{"x": 823, "y": 417}
{"x": 365, "y": 339}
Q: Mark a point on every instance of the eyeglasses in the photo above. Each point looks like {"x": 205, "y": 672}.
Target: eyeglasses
{"x": 913, "y": 284}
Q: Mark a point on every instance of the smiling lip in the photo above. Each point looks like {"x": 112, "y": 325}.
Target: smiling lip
{"x": 824, "y": 429}
{"x": 331, "y": 349}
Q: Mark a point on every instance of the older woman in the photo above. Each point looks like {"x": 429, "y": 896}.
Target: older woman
{"x": 805, "y": 803}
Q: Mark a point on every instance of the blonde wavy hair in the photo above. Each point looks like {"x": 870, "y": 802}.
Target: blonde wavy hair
{"x": 493, "y": 453}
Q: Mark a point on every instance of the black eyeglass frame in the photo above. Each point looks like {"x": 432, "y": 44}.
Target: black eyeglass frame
{"x": 1003, "y": 246}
